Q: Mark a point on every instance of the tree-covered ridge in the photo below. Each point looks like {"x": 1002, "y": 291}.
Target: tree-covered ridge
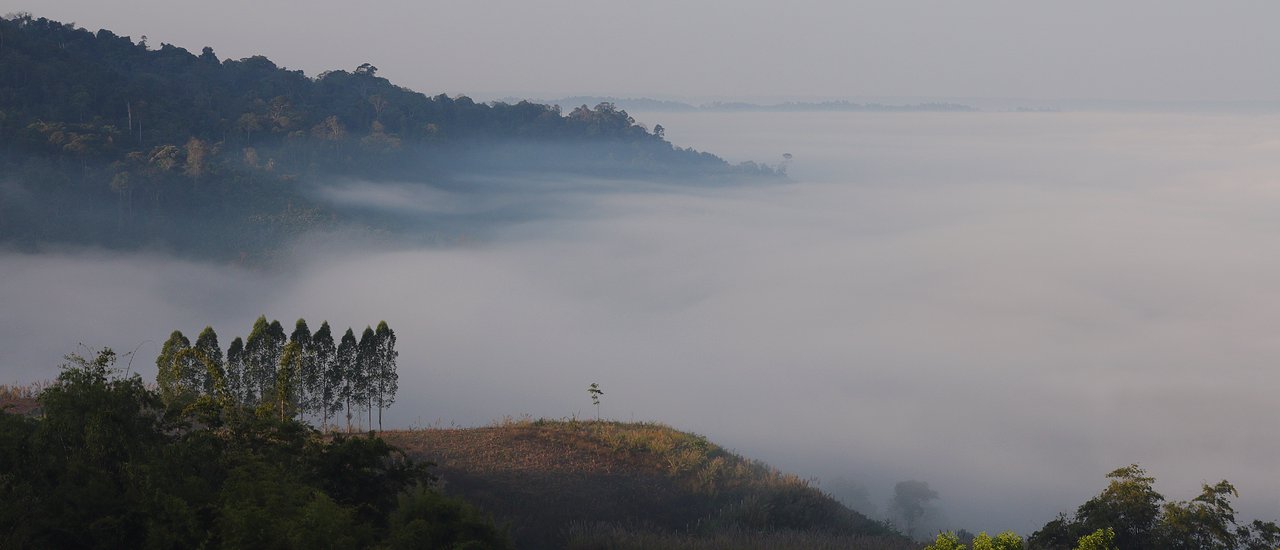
{"x": 296, "y": 376}
{"x": 125, "y": 145}
{"x": 125, "y": 95}
{"x": 108, "y": 464}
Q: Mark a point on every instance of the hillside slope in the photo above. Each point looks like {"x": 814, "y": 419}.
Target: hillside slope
{"x": 617, "y": 485}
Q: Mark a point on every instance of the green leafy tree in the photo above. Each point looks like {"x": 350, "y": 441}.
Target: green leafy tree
{"x": 287, "y": 377}
{"x": 946, "y": 541}
{"x": 1259, "y": 535}
{"x": 65, "y": 478}
{"x": 424, "y": 518}
{"x": 386, "y": 379}
{"x": 262, "y": 355}
{"x": 347, "y": 364}
{"x": 1007, "y": 540}
{"x": 326, "y": 391}
{"x": 1102, "y": 539}
{"x": 175, "y": 368}
{"x": 1207, "y": 522}
{"x": 364, "y": 378}
{"x": 235, "y": 371}
{"x": 209, "y": 353}
{"x": 307, "y": 374}
{"x": 1129, "y": 505}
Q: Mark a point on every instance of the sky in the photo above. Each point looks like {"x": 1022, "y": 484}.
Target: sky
{"x": 1151, "y": 50}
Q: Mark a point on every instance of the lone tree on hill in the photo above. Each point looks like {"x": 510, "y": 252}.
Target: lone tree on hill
{"x": 596, "y": 392}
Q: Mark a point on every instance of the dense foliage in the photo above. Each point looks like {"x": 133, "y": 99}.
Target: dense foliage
{"x": 290, "y": 377}
{"x": 107, "y": 465}
{"x": 1132, "y": 515}
{"x": 105, "y": 140}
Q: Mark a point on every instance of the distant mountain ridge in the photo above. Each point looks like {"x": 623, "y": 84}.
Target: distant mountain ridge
{"x": 642, "y": 104}
{"x": 107, "y": 141}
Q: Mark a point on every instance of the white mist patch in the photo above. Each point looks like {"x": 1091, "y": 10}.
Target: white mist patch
{"x": 1007, "y": 306}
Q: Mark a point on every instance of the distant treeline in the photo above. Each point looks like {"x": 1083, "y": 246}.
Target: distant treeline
{"x": 109, "y": 141}
{"x": 291, "y": 376}
{"x": 663, "y": 105}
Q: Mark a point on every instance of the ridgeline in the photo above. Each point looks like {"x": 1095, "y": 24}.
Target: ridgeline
{"x": 107, "y": 141}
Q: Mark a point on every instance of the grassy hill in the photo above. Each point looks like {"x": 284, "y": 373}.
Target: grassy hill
{"x": 613, "y": 485}
{"x": 582, "y": 484}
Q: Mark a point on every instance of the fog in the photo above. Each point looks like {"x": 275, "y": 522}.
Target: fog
{"x": 1005, "y": 305}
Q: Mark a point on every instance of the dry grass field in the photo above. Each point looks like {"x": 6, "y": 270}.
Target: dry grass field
{"x": 586, "y": 484}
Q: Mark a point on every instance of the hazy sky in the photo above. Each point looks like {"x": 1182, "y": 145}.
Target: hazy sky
{"x": 1085, "y": 49}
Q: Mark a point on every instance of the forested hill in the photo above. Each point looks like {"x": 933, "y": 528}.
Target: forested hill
{"x": 125, "y": 144}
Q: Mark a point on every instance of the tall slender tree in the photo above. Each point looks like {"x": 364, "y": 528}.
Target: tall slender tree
{"x": 329, "y": 375}
{"x": 386, "y": 380}
{"x": 366, "y": 370}
{"x": 262, "y": 356}
{"x": 287, "y": 380}
{"x": 209, "y": 353}
{"x": 347, "y": 351}
{"x": 235, "y": 372}
{"x": 172, "y": 369}
{"x": 306, "y": 365}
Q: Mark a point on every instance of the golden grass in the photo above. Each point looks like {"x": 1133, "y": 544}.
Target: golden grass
{"x": 542, "y": 476}
{"x": 703, "y": 466}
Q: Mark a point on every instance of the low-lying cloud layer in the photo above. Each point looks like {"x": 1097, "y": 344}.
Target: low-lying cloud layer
{"x": 1005, "y": 305}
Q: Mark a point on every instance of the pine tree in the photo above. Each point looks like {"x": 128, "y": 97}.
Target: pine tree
{"x": 387, "y": 380}
{"x": 346, "y": 363}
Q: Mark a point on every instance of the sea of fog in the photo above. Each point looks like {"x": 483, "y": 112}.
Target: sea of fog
{"x": 1004, "y": 305}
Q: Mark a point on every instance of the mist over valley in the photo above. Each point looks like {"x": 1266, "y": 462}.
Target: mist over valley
{"x": 1006, "y": 305}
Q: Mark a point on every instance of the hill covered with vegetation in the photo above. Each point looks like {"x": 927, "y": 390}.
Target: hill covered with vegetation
{"x": 603, "y": 484}
{"x": 99, "y": 459}
{"x": 106, "y": 462}
{"x": 112, "y": 142}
